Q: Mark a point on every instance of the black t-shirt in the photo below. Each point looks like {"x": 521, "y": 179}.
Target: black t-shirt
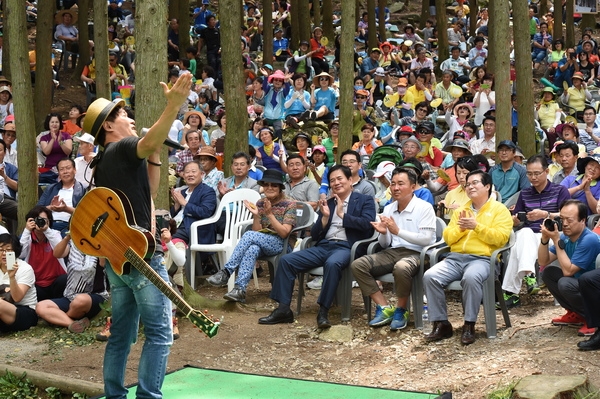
{"x": 212, "y": 38}
{"x": 120, "y": 168}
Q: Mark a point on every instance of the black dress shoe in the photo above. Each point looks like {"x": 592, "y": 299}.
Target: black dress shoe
{"x": 323, "y": 319}
{"x": 468, "y": 334}
{"x": 278, "y": 316}
{"x": 441, "y": 330}
{"x": 592, "y": 344}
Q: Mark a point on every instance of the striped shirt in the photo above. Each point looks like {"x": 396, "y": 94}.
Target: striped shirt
{"x": 549, "y": 200}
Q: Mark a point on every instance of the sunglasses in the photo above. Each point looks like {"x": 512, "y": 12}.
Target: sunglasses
{"x": 423, "y": 131}
{"x": 270, "y": 185}
{"x": 324, "y": 78}
{"x": 361, "y": 97}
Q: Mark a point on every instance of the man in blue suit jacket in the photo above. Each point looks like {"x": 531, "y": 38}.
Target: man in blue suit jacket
{"x": 195, "y": 202}
{"x": 343, "y": 219}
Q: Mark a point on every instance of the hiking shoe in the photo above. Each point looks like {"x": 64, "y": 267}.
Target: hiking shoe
{"x": 511, "y": 301}
{"x": 79, "y": 326}
{"x": 569, "y": 319}
{"x": 237, "y": 294}
{"x": 175, "y": 328}
{"x": 383, "y": 316}
{"x": 586, "y": 331}
{"x": 316, "y": 283}
{"x": 532, "y": 285}
{"x": 105, "y": 333}
{"x": 219, "y": 279}
{"x": 399, "y": 320}
{"x": 293, "y": 122}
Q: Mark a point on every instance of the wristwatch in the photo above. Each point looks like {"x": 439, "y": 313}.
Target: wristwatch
{"x": 561, "y": 244}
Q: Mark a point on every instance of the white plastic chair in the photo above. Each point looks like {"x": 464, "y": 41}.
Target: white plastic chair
{"x": 232, "y": 204}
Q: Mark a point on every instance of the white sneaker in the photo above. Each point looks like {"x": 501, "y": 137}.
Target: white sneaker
{"x": 354, "y": 284}
{"x": 316, "y": 283}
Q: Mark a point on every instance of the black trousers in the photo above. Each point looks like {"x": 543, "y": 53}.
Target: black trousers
{"x": 589, "y": 285}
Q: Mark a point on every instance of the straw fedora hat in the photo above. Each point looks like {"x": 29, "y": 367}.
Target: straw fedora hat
{"x": 97, "y": 113}
{"x": 194, "y": 112}
{"x": 58, "y": 18}
{"x": 316, "y": 78}
{"x": 207, "y": 151}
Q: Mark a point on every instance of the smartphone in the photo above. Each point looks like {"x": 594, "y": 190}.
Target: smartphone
{"x": 485, "y": 86}
{"x": 10, "y": 260}
{"x": 522, "y": 216}
{"x": 308, "y": 152}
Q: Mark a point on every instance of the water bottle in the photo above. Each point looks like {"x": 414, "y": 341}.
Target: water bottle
{"x": 426, "y": 322}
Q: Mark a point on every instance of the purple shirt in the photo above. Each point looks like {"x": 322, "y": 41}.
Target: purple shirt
{"x": 548, "y": 200}
{"x": 57, "y": 153}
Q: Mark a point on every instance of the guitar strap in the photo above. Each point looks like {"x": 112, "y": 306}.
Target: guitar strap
{"x": 92, "y": 165}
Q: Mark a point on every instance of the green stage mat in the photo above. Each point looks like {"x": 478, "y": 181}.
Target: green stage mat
{"x": 199, "y": 383}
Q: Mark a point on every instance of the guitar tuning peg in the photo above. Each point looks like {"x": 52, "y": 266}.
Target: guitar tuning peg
{"x": 205, "y": 311}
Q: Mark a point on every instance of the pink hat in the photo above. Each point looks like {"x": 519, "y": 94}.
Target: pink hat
{"x": 319, "y": 148}
{"x": 277, "y": 75}
{"x": 9, "y": 118}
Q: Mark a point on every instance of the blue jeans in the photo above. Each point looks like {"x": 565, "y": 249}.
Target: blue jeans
{"x": 134, "y": 297}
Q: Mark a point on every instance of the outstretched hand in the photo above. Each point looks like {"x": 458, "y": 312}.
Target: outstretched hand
{"x": 180, "y": 90}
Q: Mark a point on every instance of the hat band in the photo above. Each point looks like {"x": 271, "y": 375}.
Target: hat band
{"x": 101, "y": 118}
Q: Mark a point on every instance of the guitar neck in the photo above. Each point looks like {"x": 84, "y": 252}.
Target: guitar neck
{"x": 158, "y": 281}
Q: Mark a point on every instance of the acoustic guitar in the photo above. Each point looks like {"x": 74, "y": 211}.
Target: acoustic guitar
{"x": 103, "y": 225}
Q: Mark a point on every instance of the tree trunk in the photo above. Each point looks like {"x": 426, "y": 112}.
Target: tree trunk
{"x": 305, "y": 32}
{"x": 173, "y": 11}
{"x": 542, "y": 9}
{"x": 498, "y": 63}
{"x": 42, "y": 96}
{"x": 295, "y": 39}
{"x": 84, "y": 37}
{"x": 268, "y": 33}
{"x": 316, "y": 7}
{"x": 425, "y": 14}
{"x": 570, "y": 40}
{"x": 237, "y": 115}
{"x": 151, "y": 68}
{"x": 473, "y": 11}
{"x": 557, "y": 32}
{"x": 372, "y": 31}
{"x": 381, "y": 4}
{"x": 442, "y": 34}
{"x": 184, "y": 28}
{"x": 587, "y": 21}
{"x": 103, "y": 88}
{"x": 5, "y": 61}
{"x": 327, "y": 12}
{"x": 526, "y": 131}
{"x": 25, "y": 118}
{"x": 346, "y": 77}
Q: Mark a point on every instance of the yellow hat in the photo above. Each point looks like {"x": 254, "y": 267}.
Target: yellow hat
{"x": 97, "y": 113}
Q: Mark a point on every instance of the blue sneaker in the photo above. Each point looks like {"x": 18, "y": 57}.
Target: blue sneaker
{"x": 383, "y": 316}
{"x": 400, "y": 319}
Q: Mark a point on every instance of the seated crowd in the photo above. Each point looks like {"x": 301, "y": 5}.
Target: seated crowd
{"x": 388, "y": 188}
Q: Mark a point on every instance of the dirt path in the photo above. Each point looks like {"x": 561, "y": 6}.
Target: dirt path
{"x": 374, "y": 357}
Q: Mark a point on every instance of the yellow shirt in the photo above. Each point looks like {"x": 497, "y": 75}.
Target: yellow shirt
{"x": 576, "y": 98}
{"x": 458, "y": 196}
{"x": 547, "y": 114}
{"x": 416, "y": 94}
{"x": 494, "y": 225}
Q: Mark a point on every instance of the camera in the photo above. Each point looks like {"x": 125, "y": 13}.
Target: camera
{"x": 40, "y": 222}
{"x": 550, "y": 223}
{"x": 522, "y": 216}
{"x": 572, "y": 55}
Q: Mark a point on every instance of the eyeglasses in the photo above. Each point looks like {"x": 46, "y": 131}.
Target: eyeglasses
{"x": 349, "y": 161}
{"x": 472, "y": 183}
{"x": 505, "y": 149}
{"x": 423, "y": 131}
{"x": 324, "y": 78}
{"x": 5, "y": 250}
{"x": 270, "y": 185}
{"x": 361, "y": 97}
{"x": 535, "y": 174}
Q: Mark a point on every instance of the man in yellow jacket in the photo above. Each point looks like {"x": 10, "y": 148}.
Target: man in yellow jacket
{"x": 475, "y": 231}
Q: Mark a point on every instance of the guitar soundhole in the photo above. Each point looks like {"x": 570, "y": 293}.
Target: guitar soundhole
{"x": 108, "y": 202}
{"x": 86, "y": 241}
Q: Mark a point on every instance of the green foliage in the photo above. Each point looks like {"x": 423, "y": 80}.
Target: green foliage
{"x": 502, "y": 392}
{"x": 79, "y": 395}
{"x": 53, "y": 393}
{"x": 15, "y": 387}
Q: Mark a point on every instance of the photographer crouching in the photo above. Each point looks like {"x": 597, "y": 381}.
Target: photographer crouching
{"x": 570, "y": 255}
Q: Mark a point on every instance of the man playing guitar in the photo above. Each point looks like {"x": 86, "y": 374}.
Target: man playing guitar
{"x": 122, "y": 165}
